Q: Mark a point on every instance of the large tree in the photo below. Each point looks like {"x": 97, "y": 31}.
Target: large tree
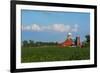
{"x": 25, "y": 43}
{"x": 31, "y": 43}
{"x": 87, "y": 38}
{"x": 87, "y": 42}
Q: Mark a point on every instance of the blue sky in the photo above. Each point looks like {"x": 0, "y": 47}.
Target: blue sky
{"x": 48, "y": 26}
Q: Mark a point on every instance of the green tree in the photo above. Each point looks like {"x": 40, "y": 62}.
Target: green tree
{"x": 31, "y": 43}
{"x": 87, "y": 38}
{"x": 86, "y": 43}
{"x": 25, "y": 43}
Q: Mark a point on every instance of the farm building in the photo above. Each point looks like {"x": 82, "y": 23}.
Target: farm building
{"x": 70, "y": 42}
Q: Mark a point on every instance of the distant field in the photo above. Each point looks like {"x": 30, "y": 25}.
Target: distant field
{"x": 54, "y": 53}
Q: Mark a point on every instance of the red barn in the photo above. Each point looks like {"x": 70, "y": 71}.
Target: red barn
{"x": 68, "y": 41}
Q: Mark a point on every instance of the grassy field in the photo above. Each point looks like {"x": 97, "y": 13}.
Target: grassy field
{"x": 53, "y": 53}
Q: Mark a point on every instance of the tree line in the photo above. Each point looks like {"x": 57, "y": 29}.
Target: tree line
{"x": 31, "y": 43}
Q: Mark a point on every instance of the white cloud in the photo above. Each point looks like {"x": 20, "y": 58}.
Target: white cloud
{"x": 60, "y": 27}
{"x": 53, "y": 27}
{"x": 75, "y": 28}
{"x": 26, "y": 27}
{"x": 36, "y": 27}
{"x": 33, "y": 27}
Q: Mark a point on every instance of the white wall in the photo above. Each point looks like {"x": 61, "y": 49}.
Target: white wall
{"x": 5, "y": 37}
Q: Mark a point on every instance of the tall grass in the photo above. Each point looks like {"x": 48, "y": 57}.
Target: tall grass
{"x": 53, "y": 53}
